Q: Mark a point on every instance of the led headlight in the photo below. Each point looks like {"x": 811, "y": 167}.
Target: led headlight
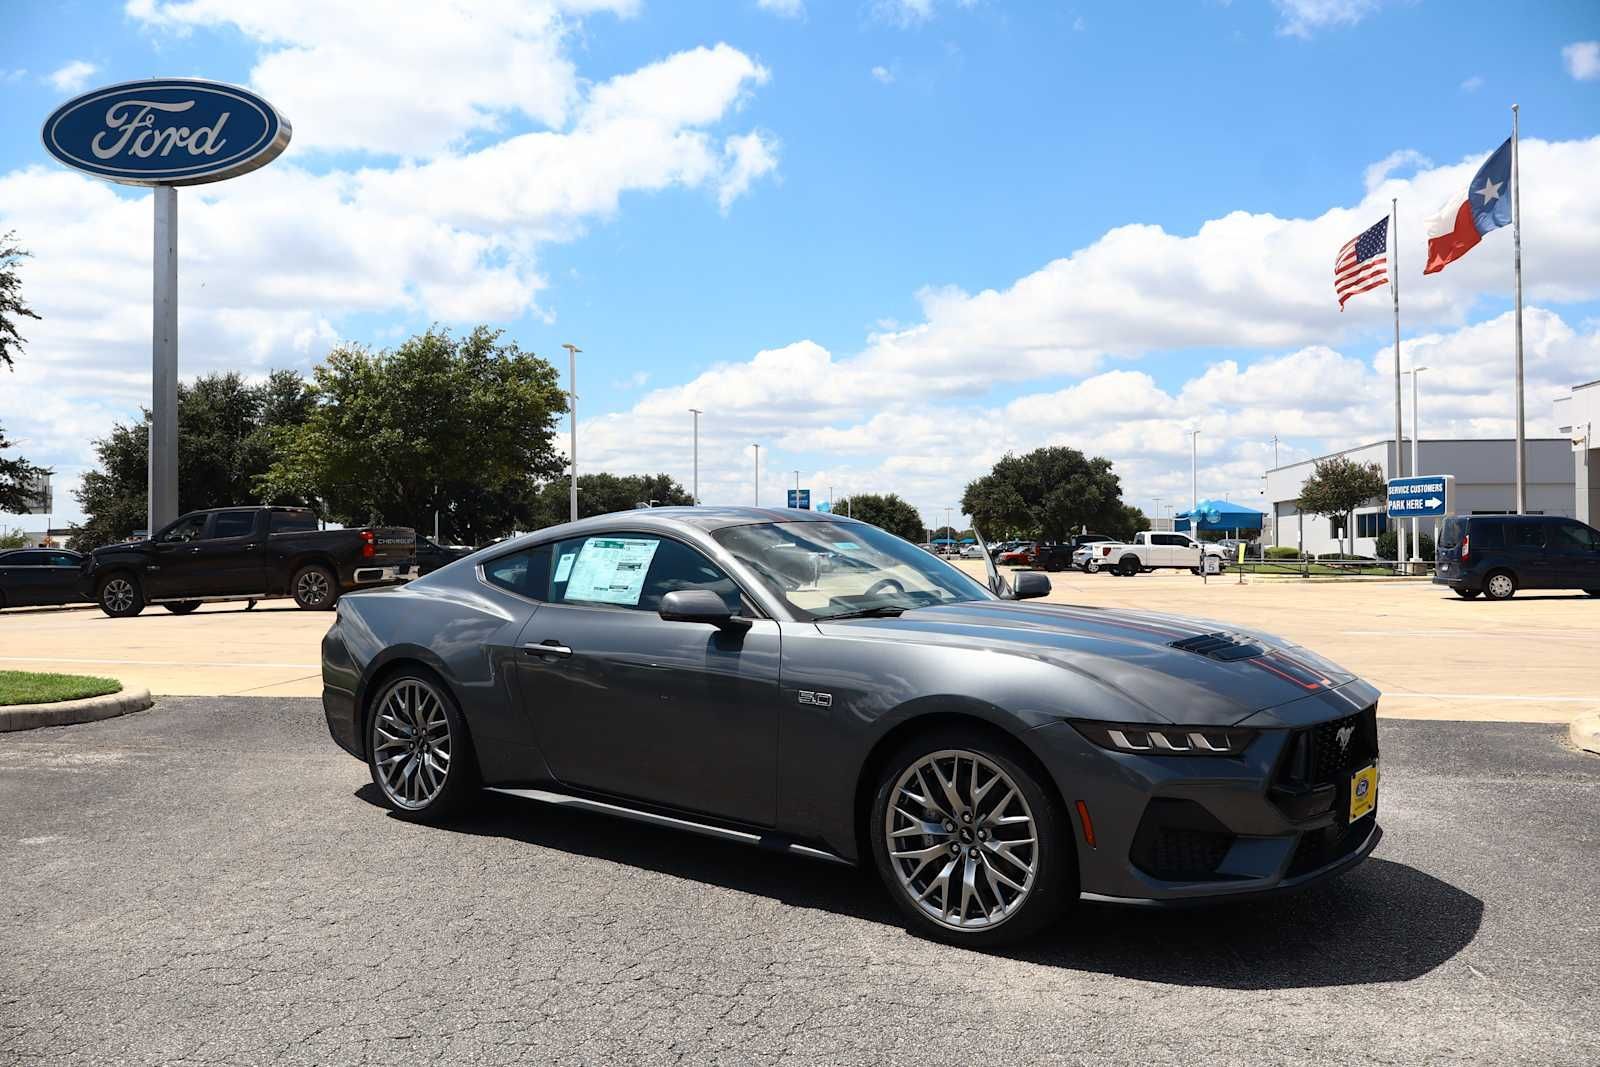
{"x": 1167, "y": 740}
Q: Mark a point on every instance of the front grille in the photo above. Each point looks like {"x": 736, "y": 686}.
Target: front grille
{"x": 1314, "y": 772}
{"x": 1318, "y": 848}
{"x": 1179, "y": 841}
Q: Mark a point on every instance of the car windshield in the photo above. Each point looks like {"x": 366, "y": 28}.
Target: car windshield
{"x": 831, "y": 570}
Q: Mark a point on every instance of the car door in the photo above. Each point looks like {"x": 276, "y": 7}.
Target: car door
{"x": 174, "y": 567}
{"x": 1531, "y": 561}
{"x": 22, "y": 577}
{"x": 230, "y": 559}
{"x": 626, "y": 703}
{"x": 1575, "y": 549}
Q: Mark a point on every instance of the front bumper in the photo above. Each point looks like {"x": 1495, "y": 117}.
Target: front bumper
{"x": 1173, "y": 830}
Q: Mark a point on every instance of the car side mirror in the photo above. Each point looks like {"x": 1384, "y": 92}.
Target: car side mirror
{"x": 1026, "y": 585}
{"x": 700, "y": 605}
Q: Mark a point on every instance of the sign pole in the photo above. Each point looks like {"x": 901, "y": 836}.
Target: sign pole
{"x": 163, "y": 485}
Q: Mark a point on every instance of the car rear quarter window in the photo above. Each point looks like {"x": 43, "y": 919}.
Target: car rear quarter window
{"x": 526, "y": 573}
{"x": 1486, "y": 533}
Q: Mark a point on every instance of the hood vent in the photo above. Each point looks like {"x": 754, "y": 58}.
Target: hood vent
{"x": 1219, "y": 646}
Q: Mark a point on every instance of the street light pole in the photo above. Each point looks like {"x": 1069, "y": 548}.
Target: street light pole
{"x": 758, "y": 475}
{"x": 695, "y": 492}
{"x": 796, "y": 488}
{"x": 1194, "y": 479}
{"x": 1416, "y": 435}
{"x": 572, "y": 392}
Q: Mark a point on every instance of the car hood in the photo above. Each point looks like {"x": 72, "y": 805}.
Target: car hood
{"x": 1135, "y": 653}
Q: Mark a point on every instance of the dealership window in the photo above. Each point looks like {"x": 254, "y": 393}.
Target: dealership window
{"x": 1371, "y": 523}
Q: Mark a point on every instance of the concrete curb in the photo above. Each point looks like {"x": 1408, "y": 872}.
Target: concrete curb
{"x": 1585, "y": 732}
{"x": 67, "y": 712}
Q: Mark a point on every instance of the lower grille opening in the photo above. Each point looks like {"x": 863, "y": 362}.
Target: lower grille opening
{"x": 1179, "y": 841}
{"x": 1318, "y": 848}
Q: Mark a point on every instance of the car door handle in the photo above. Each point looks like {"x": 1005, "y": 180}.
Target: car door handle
{"x": 547, "y": 648}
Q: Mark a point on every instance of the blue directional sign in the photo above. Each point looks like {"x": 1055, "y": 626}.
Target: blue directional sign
{"x": 1423, "y": 497}
{"x": 167, "y": 131}
{"x": 800, "y": 498}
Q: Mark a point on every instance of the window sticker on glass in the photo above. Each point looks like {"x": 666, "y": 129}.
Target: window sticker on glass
{"x": 611, "y": 570}
{"x": 564, "y": 566}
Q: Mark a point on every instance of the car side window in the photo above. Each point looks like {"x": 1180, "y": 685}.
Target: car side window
{"x": 526, "y": 573}
{"x": 234, "y": 524}
{"x": 1572, "y": 536}
{"x": 1488, "y": 535}
{"x": 186, "y": 529}
{"x": 62, "y": 559}
{"x": 1527, "y": 534}
{"x": 634, "y": 571}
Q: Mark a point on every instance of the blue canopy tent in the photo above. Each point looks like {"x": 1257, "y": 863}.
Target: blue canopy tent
{"x": 943, "y": 541}
{"x": 1219, "y": 515}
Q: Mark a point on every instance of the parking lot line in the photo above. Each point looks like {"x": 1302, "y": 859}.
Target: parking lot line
{"x": 155, "y": 662}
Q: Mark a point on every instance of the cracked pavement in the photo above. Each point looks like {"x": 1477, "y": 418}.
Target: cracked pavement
{"x": 214, "y": 882}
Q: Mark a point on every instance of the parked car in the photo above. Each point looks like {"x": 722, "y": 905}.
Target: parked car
{"x": 1053, "y": 557}
{"x": 431, "y": 555}
{"x": 1087, "y": 557}
{"x": 30, "y": 576}
{"x": 1020, "y": 555}
{"x": 247, "y": 553}
{"x": 993, "y": 762}
{"x": 1152, "y": 550}
{"x": 1498, "y": 554}
{"x": 971, "y": 552}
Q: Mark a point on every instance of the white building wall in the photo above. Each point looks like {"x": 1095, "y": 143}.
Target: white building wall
{"x": 1484, "y": 470}
{"x": 1578, "y": 416}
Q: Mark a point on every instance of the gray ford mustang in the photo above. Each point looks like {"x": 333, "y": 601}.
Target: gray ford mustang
{"x": 809, "y": 682}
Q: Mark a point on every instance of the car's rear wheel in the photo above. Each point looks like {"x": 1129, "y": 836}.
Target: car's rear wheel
{"x": 182, "y": 607}
{"x": 1464, "y": 594}
{"x": 119, "y": 596}
{"x": 314, "y": 587}
{"x": 1500, "y": 586}
{"x": 1129, "y": 566}
{"x": 417, "y": 749}
{"x": 1092, "y": 567}
{"x": 972, "y": 845}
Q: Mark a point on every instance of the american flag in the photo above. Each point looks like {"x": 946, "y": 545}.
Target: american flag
{"x": 1363, "y": 263}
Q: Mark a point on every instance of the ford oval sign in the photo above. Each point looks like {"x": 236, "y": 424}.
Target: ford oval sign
{"x": 169, "y": 131}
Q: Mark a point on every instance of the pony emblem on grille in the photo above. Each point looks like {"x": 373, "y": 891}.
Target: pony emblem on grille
{"x": 1343, "y": 735}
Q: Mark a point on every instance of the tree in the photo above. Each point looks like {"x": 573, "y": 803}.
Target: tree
{"x": 1389, "y": 548}
{"x": 1337, "y": 487}
{"x": 1131, "y": 521}
{"x": 12, "y": 307}
{"x": 603, "y": 494}
{"x": 1048, "y": 493}
{"x": 15, "y": 474}
{"x": 887, "y": 511}
{"x": 459, "y": 425}
{"x": 225, "y": 427}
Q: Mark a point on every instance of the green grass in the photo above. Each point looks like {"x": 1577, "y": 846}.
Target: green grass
{"x": 1314, "y": 569}
{"x": 28, "y": 687}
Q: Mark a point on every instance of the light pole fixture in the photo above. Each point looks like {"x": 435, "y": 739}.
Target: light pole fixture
{"x": 758, "y": 475}
{"x": 572, "y": 410}
{"x": 796, "y": 488}
{"x": 1194, "y": 478}
{"x": 694, "y": 493}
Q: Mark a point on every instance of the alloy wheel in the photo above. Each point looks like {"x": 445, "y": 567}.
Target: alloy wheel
{"x": 117, "y": 594}
{"x": 411, "y": 744}
{"x": 312, "y": 587}
{"x": 1501, "y": 586}
{"x": 962, "y": 840}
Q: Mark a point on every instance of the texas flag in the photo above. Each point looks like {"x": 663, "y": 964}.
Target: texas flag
{"x": 1485, "y": 206}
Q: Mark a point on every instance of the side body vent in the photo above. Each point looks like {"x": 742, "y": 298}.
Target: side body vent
{"x": 1219, "y": 646}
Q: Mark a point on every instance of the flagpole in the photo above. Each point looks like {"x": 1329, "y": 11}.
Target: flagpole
{"x": 1399, "y": 427}
{"x": 1516, "y": 259}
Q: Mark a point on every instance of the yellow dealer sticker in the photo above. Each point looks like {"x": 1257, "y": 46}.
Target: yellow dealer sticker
{"x": 1363, "y": 791}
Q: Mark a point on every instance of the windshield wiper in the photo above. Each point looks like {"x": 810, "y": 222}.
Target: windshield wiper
{"x": 882, "y": 611}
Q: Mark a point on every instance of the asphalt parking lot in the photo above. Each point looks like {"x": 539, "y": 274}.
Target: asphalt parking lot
{"x": 213, "y": 882}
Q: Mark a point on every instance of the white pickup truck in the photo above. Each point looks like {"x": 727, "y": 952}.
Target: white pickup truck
{"x": 1150, "y": 550}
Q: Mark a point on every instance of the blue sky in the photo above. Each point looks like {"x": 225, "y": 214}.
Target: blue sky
{"x": 907, "y": 148}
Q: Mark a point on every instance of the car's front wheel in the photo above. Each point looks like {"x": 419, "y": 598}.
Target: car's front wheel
{"x": 417, "y": 749}
{"x": 972, "y": 845}
{"x": 119, "y": 596}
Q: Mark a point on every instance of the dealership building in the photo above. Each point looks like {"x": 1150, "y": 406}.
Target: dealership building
{"x": 1577, "y": 416}
{"x": 1485, "y": 474}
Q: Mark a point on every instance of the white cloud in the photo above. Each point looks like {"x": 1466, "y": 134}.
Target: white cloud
{"x": 72, "y": 77}
{"x": 883, "y": 75}
{"x": 1472, "y": 84}
{"x": 11, "y": 77}
{"x": 903, "y": 13}
{"x": 1302, "y": 18}
{"x": 745, "y": 159}
{"x": 1379, "y": 172}
{"x": 1583, "y": 59}
{"x": 788, "y": 9}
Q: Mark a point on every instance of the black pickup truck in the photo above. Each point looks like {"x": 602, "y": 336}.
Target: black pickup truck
{"x": 253, "y": 553}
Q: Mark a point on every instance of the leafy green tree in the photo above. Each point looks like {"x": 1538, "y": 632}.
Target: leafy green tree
{"x": 604, "y": 494}
{"x": 15, "y": 474}
{"x": 459, "y": 425}
{"x": 1388, "y": 545}
{"x": 1337, "y": 487}
{"x": 225, "y": 428}
{"x": 886, "y": 511}
{"x": 1131, "y": 521}
{"x": 13, "y": 539}
{"x": 1048, "y": 493}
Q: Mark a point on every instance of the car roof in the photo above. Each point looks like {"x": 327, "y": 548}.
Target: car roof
{"x": 701, "y": 518}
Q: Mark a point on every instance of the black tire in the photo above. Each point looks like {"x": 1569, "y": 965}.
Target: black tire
{"x": 119, "y": 595}
{"x": 1464, "y": 594}
{"x": 1500, "y": 585}
{"x": 1591, "y": 592}
{"x": 1054, "y": 888}
{"x": 1129, "y": 566}
{"x": 182, "y": 607}
{"x": 1194, "y": 570}
{"x": 314, "y": 587}
{"x": 460, "y": 786}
